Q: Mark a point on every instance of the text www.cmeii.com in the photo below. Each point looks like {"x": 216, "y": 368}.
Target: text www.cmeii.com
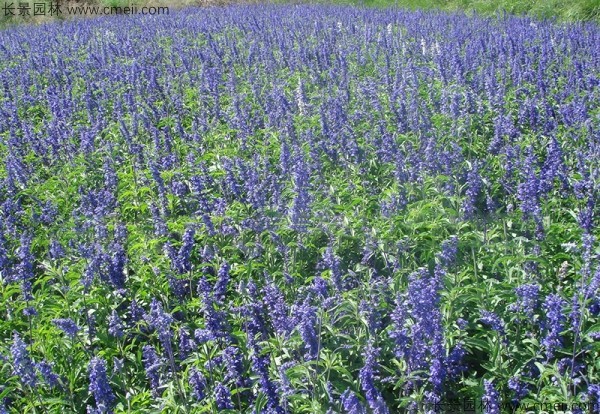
{"x": 55, "y": 9}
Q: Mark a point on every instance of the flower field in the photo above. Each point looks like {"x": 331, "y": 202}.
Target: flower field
{"x": 299, "y": 209}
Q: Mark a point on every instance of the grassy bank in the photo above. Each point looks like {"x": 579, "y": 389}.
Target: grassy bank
{"x": 561, "y": 9}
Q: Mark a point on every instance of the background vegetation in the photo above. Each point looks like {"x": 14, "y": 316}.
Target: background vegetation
{"x": 565, "y": 10}
{"x": 561, "y": 9}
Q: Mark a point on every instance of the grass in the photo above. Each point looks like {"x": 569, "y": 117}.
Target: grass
{"x": 562, "y": 9}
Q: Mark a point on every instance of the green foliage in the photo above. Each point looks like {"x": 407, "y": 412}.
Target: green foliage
{"x": 568, "y": 10}
{"x": 379, "y": 253}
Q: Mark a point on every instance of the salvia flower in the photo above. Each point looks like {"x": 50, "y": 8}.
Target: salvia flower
{"x": 274, "y": 301}
{"x": 553, "y": 309}
{"x": 4, "y": 260}
{"x": 116, "y": 265}
{"x": 449, "y": 251}
{"x": 23, "y": 366}
{"x": 519, "y": 389}
{"x": 215, "y": 319}
{"x": 528, "y": 192}
{"x": 319, "y": 287}
{"x": 115, "y": 325}
{"x": 50, "y": 378}
{"x": 223, "y": 397}
{"x": 25, "y": 268}
{"x": 287, "y": 389}
{"x": 437, "y": 375}
{"x": 300, "y": 209}
{"x": 68, "y": 326}
{"x": 490, "y": 399}
{"x": 527, "y": 298}
{"x": 56, "y": 250}
{"x": 493, "y": 321}
{"x": 186, "y": 343}
{"x": 307, "y": 320}
{"x": 197, "y": 384}
{"x": 426, "y": 330}
{"x": 400, "y": 334}
{"x": 152, "y": 365}
{"x": 182, "y": 261}
{"x": 220, "y": 288}
{"x": 99, "y": 386}
{"x": 137, "y": 312}
{"x": 351, "y": 403}
{"x": 260, "y": 365}
{"x": 160, "y": 321}
{"x": 594, "y": 397}
{"x": 368, "y": 375}
{"x": 203, "y": 335}
{"x": 179, "y": 287}
{"x": 553, "y": 167}
{"x": 474, "y": 186}
{"x": 368, "y": 310}
{"x": 332, "y": 262}
{"x": 455, "y": 361}
{"x": 234, "y": 368}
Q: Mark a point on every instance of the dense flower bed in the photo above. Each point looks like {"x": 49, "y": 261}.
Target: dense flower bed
{"x": 299, "y": 209}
